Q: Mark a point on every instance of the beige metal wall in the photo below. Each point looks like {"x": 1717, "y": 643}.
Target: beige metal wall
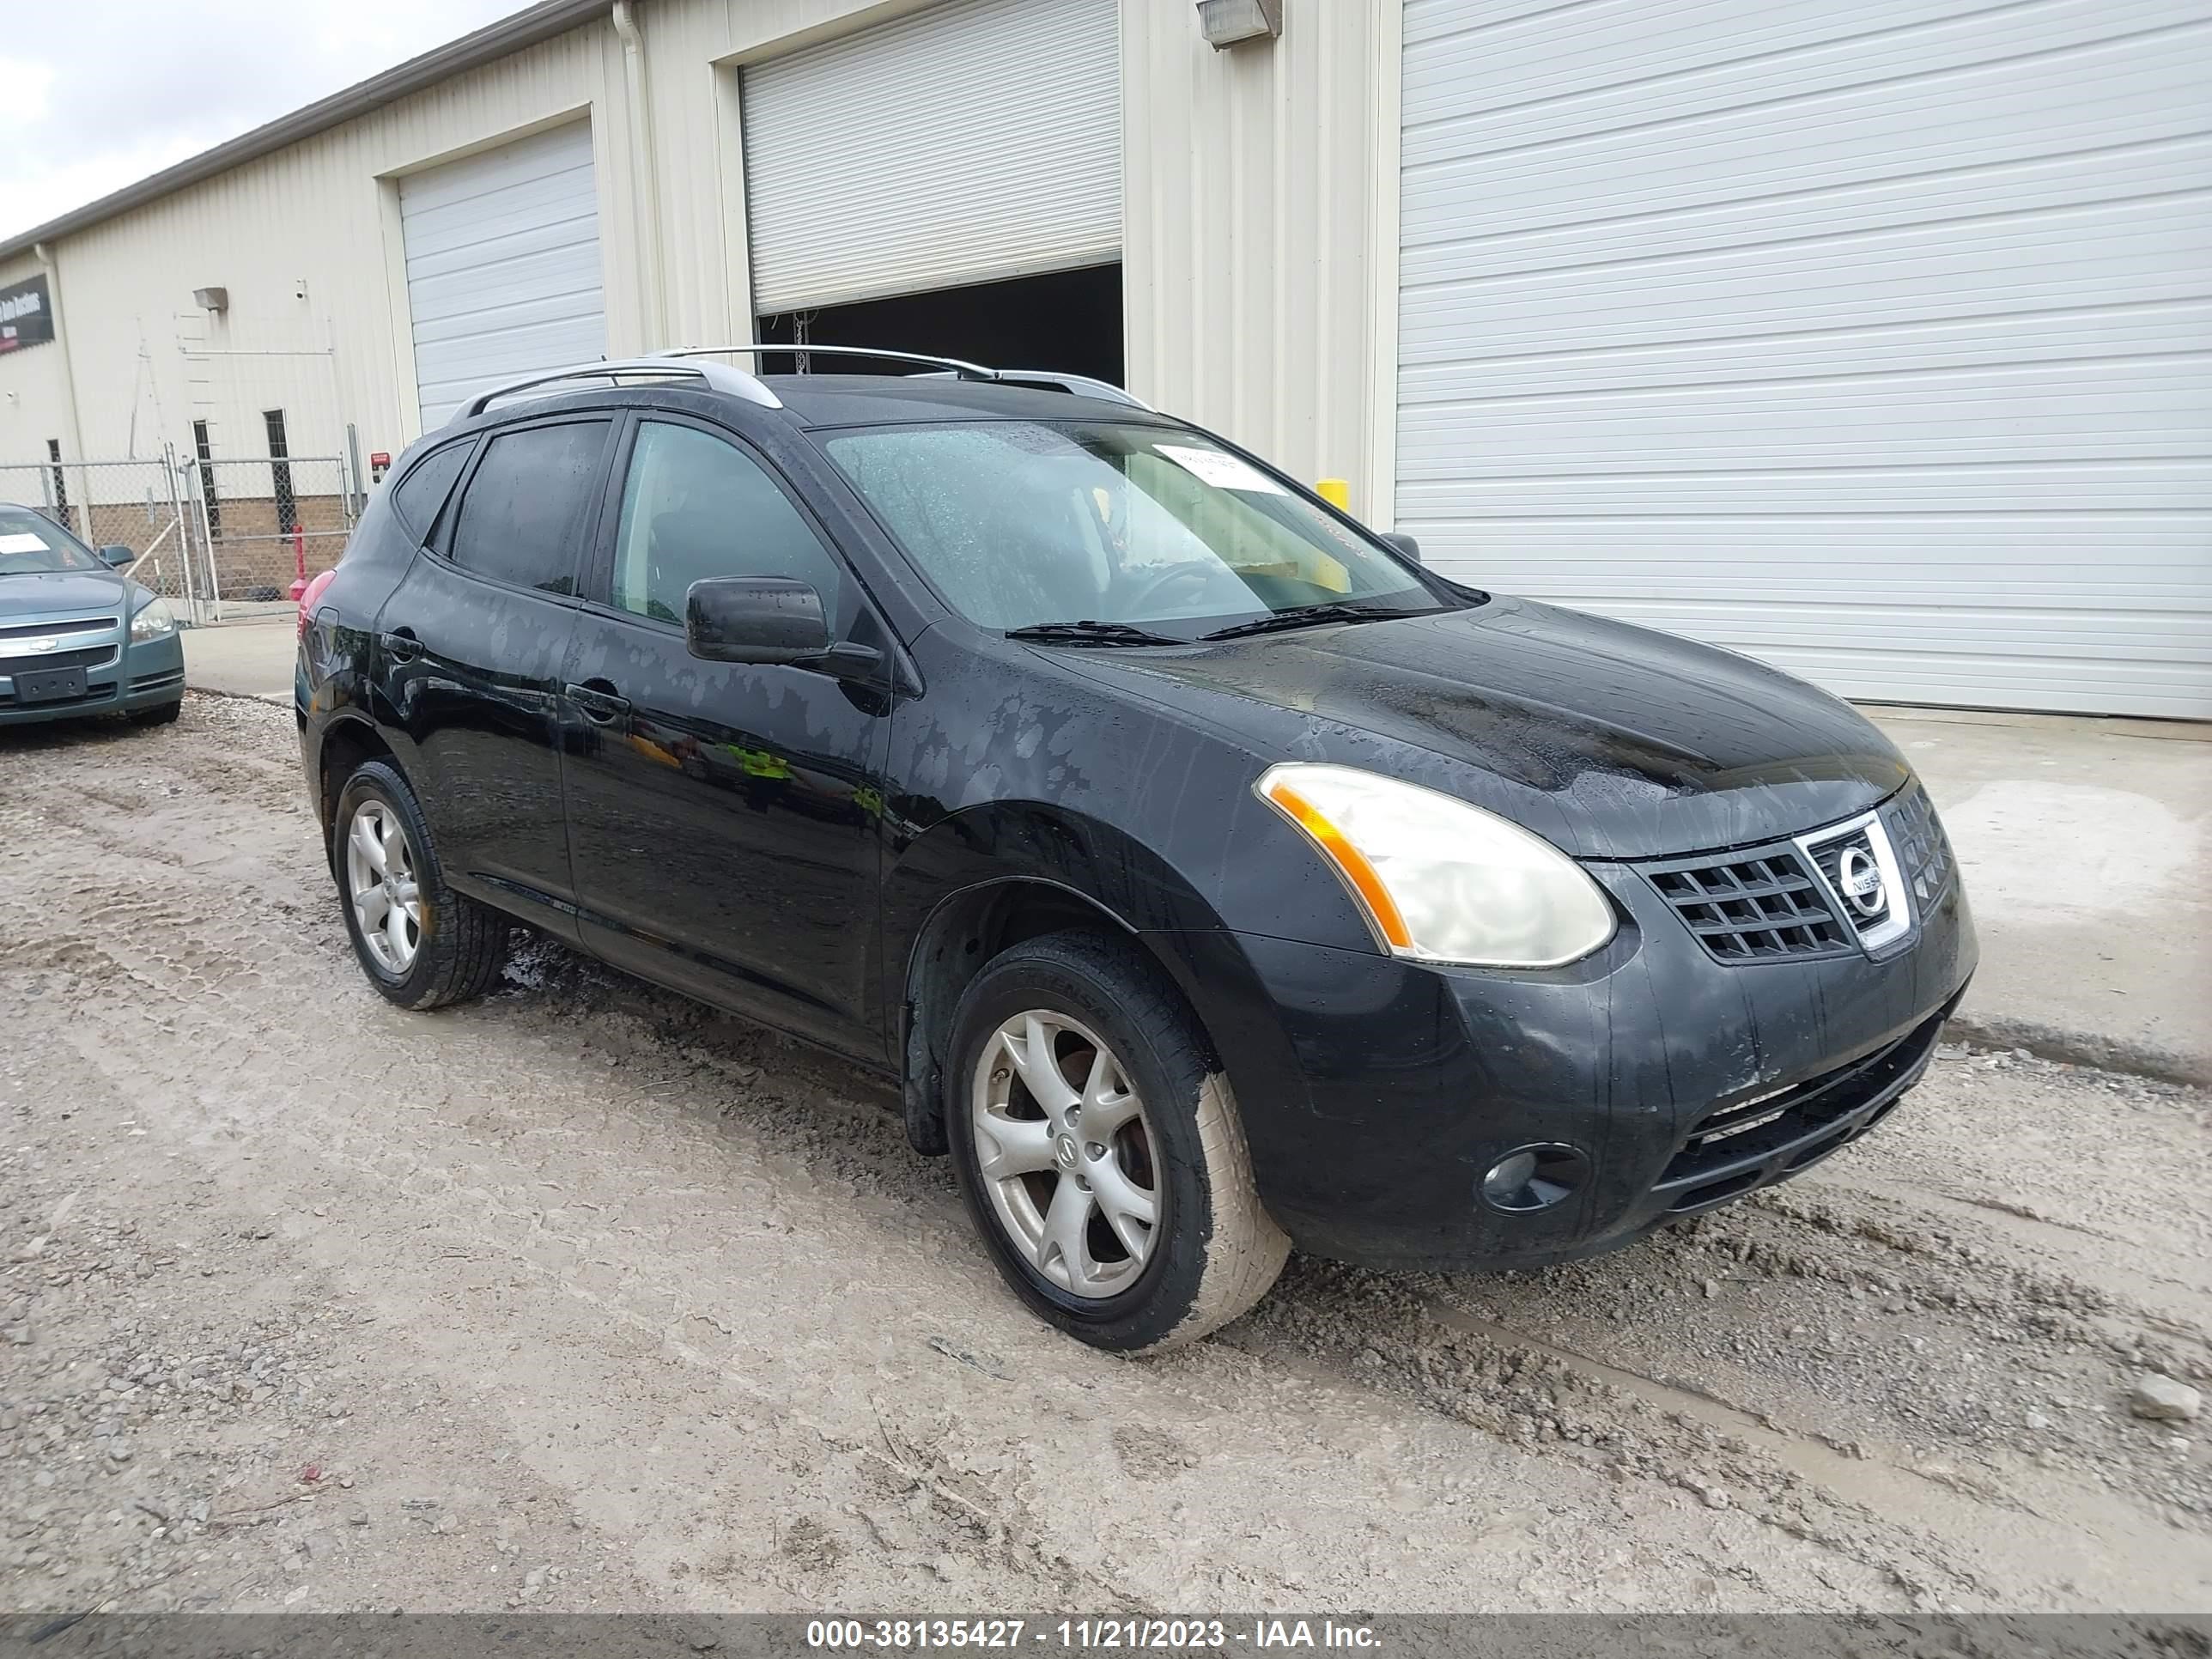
{"x": 1251, "y": 180}
{"x": 1260, "y": 191}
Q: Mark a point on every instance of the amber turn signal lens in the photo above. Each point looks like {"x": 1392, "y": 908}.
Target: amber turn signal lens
{"x": 1350, "y": 862}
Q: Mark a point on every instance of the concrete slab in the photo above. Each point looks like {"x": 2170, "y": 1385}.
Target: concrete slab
{"x": 243, "y": 659}
{"x": 2085, "y": 847}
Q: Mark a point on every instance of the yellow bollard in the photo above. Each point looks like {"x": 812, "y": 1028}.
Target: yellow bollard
{"x": 1337, "y": 492}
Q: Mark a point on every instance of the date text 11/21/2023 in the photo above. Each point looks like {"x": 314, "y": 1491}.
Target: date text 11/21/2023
{"x": 1118, "y": 1634}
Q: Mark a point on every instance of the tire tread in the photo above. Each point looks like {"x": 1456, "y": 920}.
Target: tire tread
{"x": 1246, "y": 1255}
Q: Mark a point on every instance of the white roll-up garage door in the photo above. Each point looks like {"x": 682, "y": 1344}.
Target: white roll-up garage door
{"x": 1875, "y": 340}
{"x": 971, "y": 142}
{"x": 502, "y": 265}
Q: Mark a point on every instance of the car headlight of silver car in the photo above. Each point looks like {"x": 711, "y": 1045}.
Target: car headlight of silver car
{"x": 1440, "y": 880}
{"x": 153, "y": 621}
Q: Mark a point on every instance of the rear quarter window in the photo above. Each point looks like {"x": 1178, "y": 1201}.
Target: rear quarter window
{"x": 418, "y": 496}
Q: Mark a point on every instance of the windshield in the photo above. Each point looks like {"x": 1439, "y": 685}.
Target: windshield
{"x": 32, "y": 546}
{"x": 1018, "y": 523}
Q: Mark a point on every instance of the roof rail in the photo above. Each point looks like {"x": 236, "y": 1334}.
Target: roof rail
{"x": 1082, "y": 385}
{"x": 720, "y": 377}
{"x": 965, "y": 370}
{"x": 716, "y": 377}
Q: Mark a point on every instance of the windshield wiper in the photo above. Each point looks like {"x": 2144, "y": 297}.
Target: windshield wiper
{"x": 1308, "y": 616}
{"x": 1090, "y": 633}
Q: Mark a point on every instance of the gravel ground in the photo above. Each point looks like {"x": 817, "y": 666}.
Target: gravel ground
{"x": 588, "y": 1298}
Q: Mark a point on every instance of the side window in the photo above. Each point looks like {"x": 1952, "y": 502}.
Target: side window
{"x": 521, "y": 512}
{"x": 417, "y": 497}
{"x": 694, "y": 506}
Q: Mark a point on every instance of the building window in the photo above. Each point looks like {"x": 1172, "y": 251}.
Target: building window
{"x": 60, "y": 483}
{"x": 207, "y": 478}
{"x": 280, "y": 468}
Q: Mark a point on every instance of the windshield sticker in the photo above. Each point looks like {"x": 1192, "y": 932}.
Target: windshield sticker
{"x": 1223, "y": 471}
{"x": 24, "y": 542}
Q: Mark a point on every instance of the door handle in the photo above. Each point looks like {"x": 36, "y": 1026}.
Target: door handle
{"x": 401, "y": 645}
{"x": 598, "y": 700}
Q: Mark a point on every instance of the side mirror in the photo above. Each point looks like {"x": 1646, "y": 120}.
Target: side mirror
{"x": 116, "y": 554}
{"x": 1403, "y": 544}
{"x": 754, "y": 619}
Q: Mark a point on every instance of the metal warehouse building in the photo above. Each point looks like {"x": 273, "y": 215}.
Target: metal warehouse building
{"x": 1870, "y": 339}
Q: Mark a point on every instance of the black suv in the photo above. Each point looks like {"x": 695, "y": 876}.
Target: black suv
{"x": 1212, "y": 877}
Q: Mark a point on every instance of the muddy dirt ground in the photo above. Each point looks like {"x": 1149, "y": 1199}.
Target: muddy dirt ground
{"x": 587, "y": 1298}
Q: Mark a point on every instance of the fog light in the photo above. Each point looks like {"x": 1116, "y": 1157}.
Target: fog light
{"x": 1533, "y": 1178}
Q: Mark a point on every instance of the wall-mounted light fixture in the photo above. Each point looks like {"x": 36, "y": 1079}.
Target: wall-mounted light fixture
{"x": 1226, "y": 22}
{"x": 211, "y": 299}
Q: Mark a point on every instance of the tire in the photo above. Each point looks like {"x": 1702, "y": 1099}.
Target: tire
{"x": 162, "y": 714}
{"x": 457, "y": 945}
{"x": 1210, "y": 1251}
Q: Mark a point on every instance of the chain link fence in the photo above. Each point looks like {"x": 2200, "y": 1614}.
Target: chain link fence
{"x": 141, "y": 505}
{"x": 216, "y": 538}
{"x": 264, "y": 524}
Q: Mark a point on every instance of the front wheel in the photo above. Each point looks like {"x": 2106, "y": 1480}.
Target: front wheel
{"x": 1100, "y": 1151}
{"x": 421, "y": 944}
{"x": 162, "y": 714}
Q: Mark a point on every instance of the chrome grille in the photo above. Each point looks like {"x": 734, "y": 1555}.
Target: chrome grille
{"x": 1759, "y": 905}
{"x": 1921, "y": 846}
{"x": 1824, "y": 893}
{"x": 71, "y": 625}
{"x": 1829, "y": 855}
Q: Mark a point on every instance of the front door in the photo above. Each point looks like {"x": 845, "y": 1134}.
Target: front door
{"x": 724, "y": 818}
{"x": 470, "y": 649}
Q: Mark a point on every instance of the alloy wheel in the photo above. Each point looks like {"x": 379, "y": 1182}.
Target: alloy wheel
{"x": 1065, "y": 1153}
{"x": 387, "y": 903}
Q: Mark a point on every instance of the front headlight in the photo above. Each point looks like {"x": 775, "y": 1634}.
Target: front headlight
{"x": 152, "y": 622}
{"x": 1438, "y": 880}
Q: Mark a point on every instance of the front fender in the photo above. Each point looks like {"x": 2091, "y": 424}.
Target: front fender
{"x": 1000, "y": 841}
{"x": 1012, "y": 767}
{"x": 1129, "y": 884}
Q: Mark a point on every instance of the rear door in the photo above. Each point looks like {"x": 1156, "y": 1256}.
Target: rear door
{"x": 469, "y": 650}
{"x": 724, "y": 819}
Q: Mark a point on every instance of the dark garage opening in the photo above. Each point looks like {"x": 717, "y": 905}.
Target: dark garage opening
{"x": 1069, "y": 320}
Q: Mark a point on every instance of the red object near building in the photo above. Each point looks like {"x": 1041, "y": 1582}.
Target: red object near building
{"x": 308, "y": 595}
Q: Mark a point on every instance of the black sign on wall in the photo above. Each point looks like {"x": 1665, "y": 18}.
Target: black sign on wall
{"x": 26, "y": 315}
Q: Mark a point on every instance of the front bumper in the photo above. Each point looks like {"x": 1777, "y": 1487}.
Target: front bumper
{"x": 1376, "y": 1093}
{"x": 121, "y": 677}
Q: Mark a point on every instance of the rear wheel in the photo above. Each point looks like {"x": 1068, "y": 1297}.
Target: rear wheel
{"x": 421, "y": 944}
{"x": 1099, "y": 1148}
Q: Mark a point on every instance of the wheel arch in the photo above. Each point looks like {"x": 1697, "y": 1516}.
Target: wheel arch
{"x": 989, "y": 877}
{"x": 347, "y": 741}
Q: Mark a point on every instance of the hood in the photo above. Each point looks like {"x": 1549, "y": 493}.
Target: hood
{"x": 1610, "y": 741}
{"x": 60, "y": 593}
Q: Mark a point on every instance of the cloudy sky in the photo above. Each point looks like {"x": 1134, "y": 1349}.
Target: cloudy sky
{"x": 95, "y": 94}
